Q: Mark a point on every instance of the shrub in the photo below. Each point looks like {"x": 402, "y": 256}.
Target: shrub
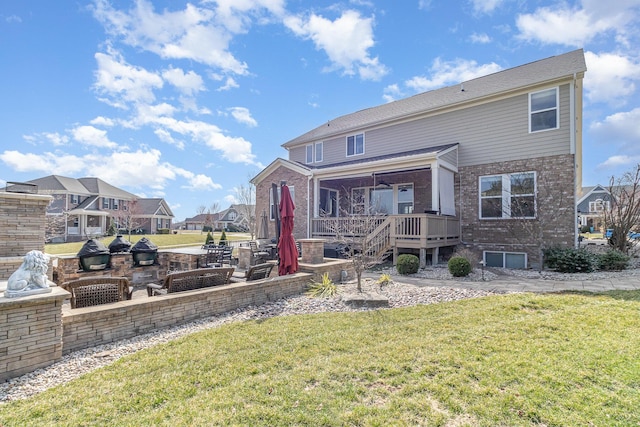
{"x": 551, "y": 256}
{"x": 163, "y": 231}
{"x": 613, "y": 260}
{"x": 209, "y": 240}
{"x": 112, "y": 230}
{"x": 223, "y": 239}
{"x": 576, "y": 261}
{"x": 463, "y": 252}
{"x": 384, "y": 280}
{"x": 207, "y": 228}
{"x": 324, "y": 289}
{"x": 407, "y": 264}
{"x": 459, "y": 267}
{"x": 585, "y": 229}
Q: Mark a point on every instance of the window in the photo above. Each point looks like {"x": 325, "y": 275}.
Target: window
{"x": 233, "y": 215}
{"x": 355, "y": 144}
{"x": 543, "y": 110}
{"x": 599, "y": 206}
{"x": 309, "y": 157}
{"x": 313, "y": 153}
{"x": 405, "y": 199}
{"x": 505, "y": 259}
{"x": 75, "y": 199}
{"x": 328, "y": 202}
{"x": 508, "y": 196}
{"x": 318, "y": 148}
{"x": 272, "y": 207}
{"x": 105, "y": 203}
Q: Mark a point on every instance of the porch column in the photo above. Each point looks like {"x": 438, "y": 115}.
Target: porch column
{"x": 435, "y": 187}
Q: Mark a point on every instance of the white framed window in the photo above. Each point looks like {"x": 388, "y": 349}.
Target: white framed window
{"x": 543, "y": 110}
{"x": 272, "y": 207}
{"x": 355, "y": 145}
{"x": 75, "y": 199}
{"x": 505, "y": 259}
{"x": 599, "y": 206}
{"x": 318, "y": 152}
{"x": 309, "y": 153}
{"x": 508, "y": 196}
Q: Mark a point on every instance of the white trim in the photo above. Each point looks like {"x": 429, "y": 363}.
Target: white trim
{"x": 556, "y": 108}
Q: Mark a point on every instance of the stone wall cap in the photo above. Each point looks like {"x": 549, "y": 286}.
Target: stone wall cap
{"x": 41, "y": 197}
{"x": 57, "y": 293}
{"x": 312, "y": 240}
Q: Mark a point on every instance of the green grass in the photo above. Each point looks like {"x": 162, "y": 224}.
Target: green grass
{"x": 160, "y": 240}
{"x": 514, "y": 360}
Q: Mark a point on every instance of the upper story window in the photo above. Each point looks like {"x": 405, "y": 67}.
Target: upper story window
{"x": 75, "y": 198}
{"x": 599, "y": 206}
{"x": 313, "y": 153}
{"x": 543, "y": 110}
{"x": 355, "y": 144}
{"x": 233, "y": 215}
{"x": 508, "y": 196}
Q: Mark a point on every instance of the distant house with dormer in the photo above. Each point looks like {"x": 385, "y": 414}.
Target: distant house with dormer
{"x": 232, "y": 218}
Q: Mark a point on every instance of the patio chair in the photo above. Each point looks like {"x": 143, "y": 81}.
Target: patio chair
{"x": 258, "y": 255}
{"x": 91, "y": 291}
{"x": 257, "y": 272}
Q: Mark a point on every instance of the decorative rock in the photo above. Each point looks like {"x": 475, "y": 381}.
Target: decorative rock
{"x": 366, "y": 300}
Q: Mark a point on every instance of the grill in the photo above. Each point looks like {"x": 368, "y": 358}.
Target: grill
{"x": 144, "y": 252}
{"x": 93, "y": 255}
{"x": 119, "y": 244}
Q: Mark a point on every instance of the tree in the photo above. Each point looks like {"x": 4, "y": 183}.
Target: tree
{"x": 624, "y": 213}
{"x": 208, "y": 215}
{"x": 356, "y": 234}
{"x": 129, "y": 217}
{"x": 246, "y": 197}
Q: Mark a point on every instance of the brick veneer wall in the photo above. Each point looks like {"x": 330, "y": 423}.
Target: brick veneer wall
{"x": 91, "y": 326}
{"x": 555, "y": 207}
{"x": 300, "y": 183}
{"x": 30, "y": 332}
{"x": 22, "y": 228}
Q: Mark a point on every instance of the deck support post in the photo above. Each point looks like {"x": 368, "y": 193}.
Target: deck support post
{"x": 423, "y": 257}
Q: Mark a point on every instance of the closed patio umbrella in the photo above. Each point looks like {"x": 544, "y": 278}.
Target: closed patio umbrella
{"x": 287, "y": 251}
{"x": 263, "y": 233}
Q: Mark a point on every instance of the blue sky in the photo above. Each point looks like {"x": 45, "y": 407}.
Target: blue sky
{"x": 188, "y": 100}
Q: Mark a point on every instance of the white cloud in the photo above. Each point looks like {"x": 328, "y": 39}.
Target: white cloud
{"x": 13, "y": 19}
{"x": 165, "y": 136}
{"x": 481, "y": 38}
{"x": 229, "y": 84}
{"x": 191, "y": 33}
{"x": 187, "y": 83}
{"x": 610, "y": 77}
{"x": 346, "y": 41}
{"x": 445, "y": 73}
{"x": 485, "y": 6}
{"x": 47, "y": 163}
{"x": 123, "y": 83}
{"x": 231, "y": 199}
{"x": 392, "y": 92}
{"x": 243, "y": 115}
{"x": 102, "y": 121}
{"x": 89, "y": 135}
{"x": 614, "y": 162}
{"x": 578, "y": 25}
{"x": 424, "y": 4}
{"x": 620, "y": 128}
{"x": 201, "y": 182}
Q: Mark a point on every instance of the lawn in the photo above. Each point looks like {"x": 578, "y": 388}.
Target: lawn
{"x": 513, "y": 360}
{"x": 160, "y": 240}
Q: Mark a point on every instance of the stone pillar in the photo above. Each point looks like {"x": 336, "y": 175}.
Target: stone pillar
{"x": 30, "y": 331}
{"x": 244, "y": 257}
{"x": 312, "y": 251}
{"x": 22, "y": 228}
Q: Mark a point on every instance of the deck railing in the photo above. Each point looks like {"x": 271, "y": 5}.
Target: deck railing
{"x": 411, "y": 230}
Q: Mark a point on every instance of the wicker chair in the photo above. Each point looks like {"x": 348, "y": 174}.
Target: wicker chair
{"x": 191, "y": 280}
{"x": 92, "y": 291}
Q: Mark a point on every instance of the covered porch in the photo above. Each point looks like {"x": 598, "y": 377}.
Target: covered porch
{"x": 411, "y": 197}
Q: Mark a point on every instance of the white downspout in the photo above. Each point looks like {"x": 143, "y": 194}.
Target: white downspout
{"x": 309, "y": 215}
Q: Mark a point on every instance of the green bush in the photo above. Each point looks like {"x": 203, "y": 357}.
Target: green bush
{"x": 585, "y": 229}
{"x": 223, "y": 239}
{"x": 459, "y": 266}
{"x": 551, "y": 256}
{"x": 323, "y": 289}
{"x": 163, "y": 231}
{"x": 207, "y": 228}
{"x": 112, "y": 230}
{"x": 407, "y": 264}
{"x": 209, "y": 240}
{"x": 613, "y": 260}
{"x": 576, "y": 261}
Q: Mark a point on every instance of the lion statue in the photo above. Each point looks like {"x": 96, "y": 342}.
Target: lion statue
{"x": 30, "y": 276}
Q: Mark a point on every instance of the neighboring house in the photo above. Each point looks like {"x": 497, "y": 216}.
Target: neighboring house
{"x": 86, "y": 207}
{"x": 592, "y": 206}
{"x": 234, "y": 215}
{"x": 464, "y": 164}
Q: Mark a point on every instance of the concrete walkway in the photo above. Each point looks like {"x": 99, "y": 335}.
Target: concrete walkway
{"x": 519, "y": 284}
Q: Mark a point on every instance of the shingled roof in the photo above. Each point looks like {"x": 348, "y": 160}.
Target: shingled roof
{"x": 538, "y": 72}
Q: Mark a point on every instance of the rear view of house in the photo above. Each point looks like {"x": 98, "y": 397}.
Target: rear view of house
{"x": 493, "y": 164}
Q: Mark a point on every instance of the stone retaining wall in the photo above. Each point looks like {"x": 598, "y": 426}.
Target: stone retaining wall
{"x": 91, "y": 326}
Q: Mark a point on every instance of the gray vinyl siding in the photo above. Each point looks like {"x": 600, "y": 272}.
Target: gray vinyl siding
{"x": 451, "y": 157}
{"x": 487, "y": 133}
